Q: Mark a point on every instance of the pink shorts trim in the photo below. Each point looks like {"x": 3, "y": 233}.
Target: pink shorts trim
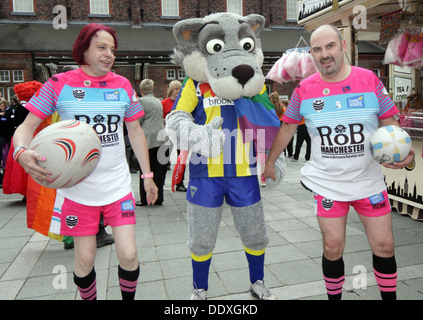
{"x": 80, "y": 220}
{"x": 373, "y": 206}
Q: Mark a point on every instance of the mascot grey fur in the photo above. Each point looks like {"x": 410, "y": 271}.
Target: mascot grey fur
{"x": 218, "y": 116}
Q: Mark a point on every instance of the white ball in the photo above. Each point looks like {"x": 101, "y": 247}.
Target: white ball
{"x": 390, "y": 144}
{"x": 72, "y": 150}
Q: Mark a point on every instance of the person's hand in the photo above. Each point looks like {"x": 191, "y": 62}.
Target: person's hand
{"x": 402, "y": 164}
{"x": 269, "y": 171}
{"x": 28, "y": 160}
{"x": 277, "y": 173}
{"x": 151, "y": 191}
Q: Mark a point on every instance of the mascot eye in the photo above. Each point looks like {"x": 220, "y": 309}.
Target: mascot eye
{"x": 214, "y": 46}
{"x": 247, "y": 44}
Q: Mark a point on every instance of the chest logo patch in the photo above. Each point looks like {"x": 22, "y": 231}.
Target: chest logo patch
{"x": 111, "y": 96}
{"x": 318, "y": 104}
{"x": 78, "y": 94}
{"x": 356, "y": 102}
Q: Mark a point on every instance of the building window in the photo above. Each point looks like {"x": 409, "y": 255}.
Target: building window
{"x": 171, "y": 74}
{"x": 234, "y": 6}
{"x": 18, "y": 76}
{"x": 181, "y": 74}
{"x": 170, "y": 8}
{"x": 10, "y": 93}
{"x": 4, "y": 76}
{"x": 291, "y": 10}
{"x": 23, "y": 6}
{"x": 99, "y": 6}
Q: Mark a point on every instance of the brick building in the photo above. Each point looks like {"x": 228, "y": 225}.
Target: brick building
{"x": 36, "y": 36}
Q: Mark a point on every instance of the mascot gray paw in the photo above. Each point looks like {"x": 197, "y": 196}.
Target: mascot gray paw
{"x": 206, "y": 140}
{"x": 280, "y": 170}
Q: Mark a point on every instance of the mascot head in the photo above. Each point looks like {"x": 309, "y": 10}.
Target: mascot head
{"x": 224, "y": 50}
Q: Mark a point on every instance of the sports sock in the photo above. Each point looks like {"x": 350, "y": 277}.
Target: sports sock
{"x": 385, "y": 270}
{"x": 87, "y": 285}
{"x": 255, "y": 260}
{"x": 334, "y": 275}
{"x": 200, "y": 271}
{"x": 128, "y": 282}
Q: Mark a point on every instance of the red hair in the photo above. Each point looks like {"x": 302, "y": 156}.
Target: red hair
{"x": 82, "y": 43}
{"x": 26, "y": 90}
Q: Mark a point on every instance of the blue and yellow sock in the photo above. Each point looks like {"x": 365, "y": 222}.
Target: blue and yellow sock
{"x": 200, "y": 271}
{"x": 255, "y": 260}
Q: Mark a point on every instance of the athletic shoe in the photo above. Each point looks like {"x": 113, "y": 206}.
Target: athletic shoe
{"x": 199, "y": 294}
{"x": 181, "y": 188}
{"x": 261, "y": 291}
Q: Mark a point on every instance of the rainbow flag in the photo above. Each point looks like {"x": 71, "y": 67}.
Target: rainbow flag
{"x": 40, "y": 200}
{"x": 257, "y": 116}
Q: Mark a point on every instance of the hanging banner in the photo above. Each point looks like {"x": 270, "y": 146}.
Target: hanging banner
{"x": 313, "y": 8}
{"x": 389, "y": 26}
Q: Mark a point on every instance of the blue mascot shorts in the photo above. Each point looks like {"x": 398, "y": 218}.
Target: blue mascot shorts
{"x": 237, "y": 191}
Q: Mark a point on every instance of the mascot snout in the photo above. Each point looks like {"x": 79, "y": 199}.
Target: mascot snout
{"x": 243, "y": 73}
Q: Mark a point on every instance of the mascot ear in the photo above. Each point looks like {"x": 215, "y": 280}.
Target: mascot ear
{"x": 186, "y": 33}
{"x": 256, "y": 22}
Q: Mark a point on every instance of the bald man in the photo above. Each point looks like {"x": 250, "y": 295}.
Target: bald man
{"x": 343, "y": 106}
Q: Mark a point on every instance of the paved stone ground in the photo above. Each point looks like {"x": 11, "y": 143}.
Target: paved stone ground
{"x": 35, "y": 267}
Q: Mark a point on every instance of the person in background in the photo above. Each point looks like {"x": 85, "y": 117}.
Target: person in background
{"x": 172, "y": 93}
{"x": 302, "y": 135}
{"x": 152, "y": 124}
{"x": 288, "y": 152}
{"x": 7, "y": 127}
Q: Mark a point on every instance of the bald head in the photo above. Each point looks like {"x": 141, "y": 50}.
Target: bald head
{"x": 325, "y": 29}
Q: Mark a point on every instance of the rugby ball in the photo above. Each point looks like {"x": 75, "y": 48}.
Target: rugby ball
{"x": 390, "y": 144}
{"x": 72, "y": 150}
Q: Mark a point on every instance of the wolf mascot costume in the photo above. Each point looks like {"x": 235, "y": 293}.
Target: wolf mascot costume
{"x": 224, "y": 118}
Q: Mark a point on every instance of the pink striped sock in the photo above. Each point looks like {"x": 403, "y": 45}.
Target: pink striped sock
{"x": 89, "y": 293}
{"x": 334, "y": 286}
{"x": 385, "y": 271}
{"x": 128, "y": 282}
{"x": 334, "y": 276}
{"x": 386, "y": 282}
{"x": 87, "y": 285}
